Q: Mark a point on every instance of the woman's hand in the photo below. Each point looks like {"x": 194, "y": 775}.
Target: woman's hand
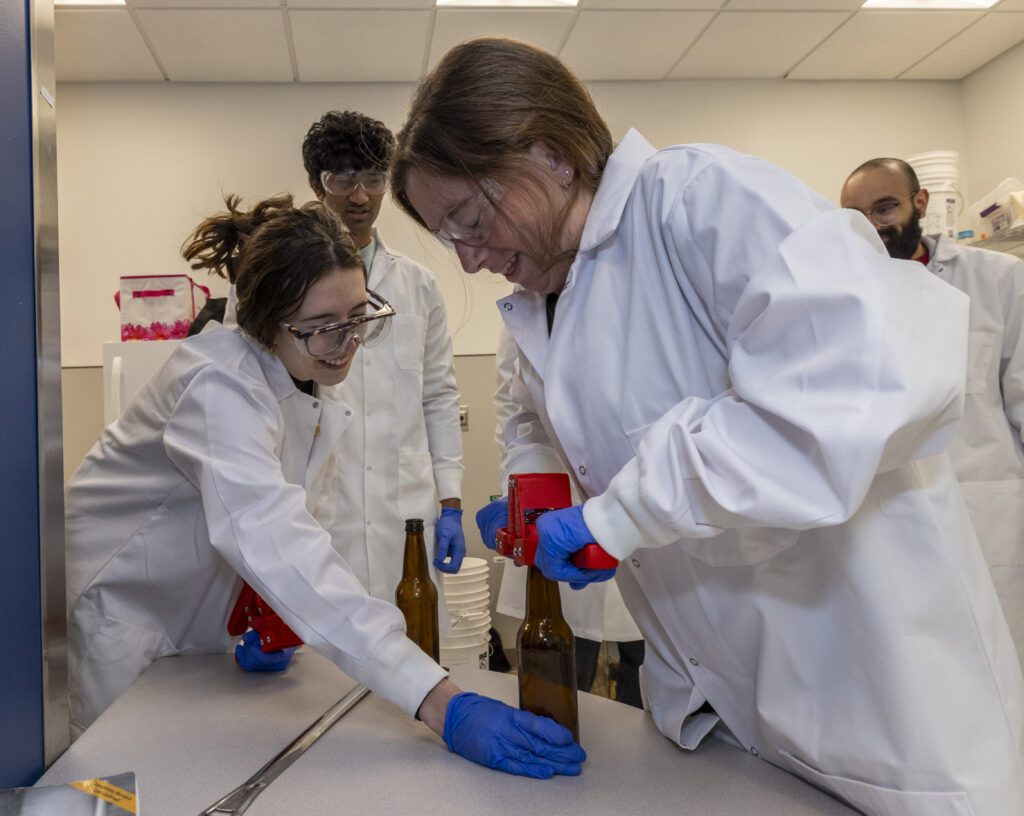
{"x": 491, "y": 733}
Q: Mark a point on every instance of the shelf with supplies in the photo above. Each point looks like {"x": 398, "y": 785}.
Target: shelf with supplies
{"x": 1009, "y": 240}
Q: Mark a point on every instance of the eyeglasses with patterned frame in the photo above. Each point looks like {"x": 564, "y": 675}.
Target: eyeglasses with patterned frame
{"x": 334, "y": 338}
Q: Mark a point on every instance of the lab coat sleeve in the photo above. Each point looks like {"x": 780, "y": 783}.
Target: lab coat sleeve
{"x": 525, "y": 444}
{"x": 843, "y": 363}
{"x": 1011, "y": 364}
{"x": 222, "y": 436}
{"x": 441, "y": 399}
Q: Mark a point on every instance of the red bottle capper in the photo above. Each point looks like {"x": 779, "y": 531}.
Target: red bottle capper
{"x": 251, "y": 611}
{"x": 530, "y": 495}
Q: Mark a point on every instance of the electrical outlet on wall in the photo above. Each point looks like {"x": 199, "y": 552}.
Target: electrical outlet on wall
{"x": 464, "y": 417}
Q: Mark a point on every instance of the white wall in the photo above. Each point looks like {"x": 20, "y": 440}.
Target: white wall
{"x": 995, "y": 122}
{"x": 141, "y": 164}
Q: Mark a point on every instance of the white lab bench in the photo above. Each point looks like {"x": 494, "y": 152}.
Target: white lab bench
{"x": 194, "y": 727}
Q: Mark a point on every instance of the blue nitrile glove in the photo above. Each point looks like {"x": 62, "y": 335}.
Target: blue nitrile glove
{"x": 451, "y": 542}
{"x": 517, "y": 742}
{"x": 490, "y": 518}
{"x": 559, "y": 534}
{"x": 249, "y": 656}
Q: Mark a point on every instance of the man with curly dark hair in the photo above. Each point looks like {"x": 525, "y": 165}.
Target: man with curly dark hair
{"x": 398, "y": 455}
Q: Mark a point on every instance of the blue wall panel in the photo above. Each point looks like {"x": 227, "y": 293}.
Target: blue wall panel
{"x": 21, "y": 694}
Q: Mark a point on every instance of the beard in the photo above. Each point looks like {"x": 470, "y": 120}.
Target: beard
{"x": 903, "y": 240}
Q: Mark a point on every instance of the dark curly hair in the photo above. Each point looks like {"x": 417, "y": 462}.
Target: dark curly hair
{"x": 346, "y": 141}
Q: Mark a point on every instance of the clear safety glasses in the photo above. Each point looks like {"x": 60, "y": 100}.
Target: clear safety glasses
{"x": 335, "y": 338}
{"x": 887, "y": 214}
{"x": 344, "y": 182}
{"x": 470, "y": 221}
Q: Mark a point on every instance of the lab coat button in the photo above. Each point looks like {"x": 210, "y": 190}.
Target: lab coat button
{"x": 635, "y": 562}
{"x": 753, "y": 750}
{"x": 583, "y": 470}
{"x": 507, "y": 307}
{"x": 694, "y": 661}
{"x": 348, "y": 413}
{"x": 369, "y": 467}
{"x": 316, "y": 404}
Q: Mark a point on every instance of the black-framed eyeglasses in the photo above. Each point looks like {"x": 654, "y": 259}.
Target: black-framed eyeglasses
{"x": 887, "y": 214}
{"x": 344, "y": 182}
{"x": 336, "y": 338}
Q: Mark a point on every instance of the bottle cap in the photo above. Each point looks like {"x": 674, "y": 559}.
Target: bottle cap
{"x": 414, "y": 525}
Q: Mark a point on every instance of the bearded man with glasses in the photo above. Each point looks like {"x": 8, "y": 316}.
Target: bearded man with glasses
{"x": 987, "y": 453}
{"x": 403, "y": 448}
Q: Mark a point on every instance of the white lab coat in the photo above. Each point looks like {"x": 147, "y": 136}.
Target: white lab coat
{"x": 405, "y": 437}
{"x": 987, "y": 453}
{"x": 199, "y": 482}
{"x": 597, "y": 611}
{"x": 745, "y": 383}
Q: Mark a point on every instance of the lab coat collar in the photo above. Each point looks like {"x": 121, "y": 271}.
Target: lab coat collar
{"x": 524, "y": 312}
{"x": 315, "y": 422}
{"x": 525, "y": 316}
{"x": 379, "y": 269}
{"x": 613, "y": 192}
{"x": 941, "y": 248}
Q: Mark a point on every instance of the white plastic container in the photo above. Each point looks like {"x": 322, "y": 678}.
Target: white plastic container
{"x": 938, "y": 172}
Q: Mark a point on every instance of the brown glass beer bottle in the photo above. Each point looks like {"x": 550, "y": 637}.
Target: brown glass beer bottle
{"x": 547, "y": 655}
{"x": 416, "y": 594}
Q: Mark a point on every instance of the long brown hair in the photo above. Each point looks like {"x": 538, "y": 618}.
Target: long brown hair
{"x": 272, "y": 253}
{"x": 477, "y": 113}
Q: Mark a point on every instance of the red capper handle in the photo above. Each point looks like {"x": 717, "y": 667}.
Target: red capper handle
{"x": 592, "y": 556}
{"x": 252, "y": 612}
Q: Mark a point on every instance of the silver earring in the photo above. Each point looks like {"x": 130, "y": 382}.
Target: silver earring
{"x": 568, "y": 178}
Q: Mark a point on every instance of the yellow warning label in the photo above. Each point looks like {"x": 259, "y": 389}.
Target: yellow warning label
{"x": 102, "y": 789}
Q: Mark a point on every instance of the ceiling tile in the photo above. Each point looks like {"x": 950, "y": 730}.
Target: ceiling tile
{"x": 359, "y": 46}
{"x": 544, "y": 29}
{"x": 100, "y": 45}
{"x": 653, "y": 5}
{"x": 363, "y": 5}
{"x": 794, "y": 5}
{"x": 219, "y": 45}
{"x": 756, "y": 43}
{"x": 882, "y": 44}
{"x": 207, "y": 4}
{"x": 968, "y": 51}
{"x": 631, "y": 45}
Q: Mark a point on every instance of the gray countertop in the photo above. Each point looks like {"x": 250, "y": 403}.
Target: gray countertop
{"x": 194, "y": 727}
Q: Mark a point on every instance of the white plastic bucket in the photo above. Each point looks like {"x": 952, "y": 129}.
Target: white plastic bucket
{"x": 938, "y": 172}
{"x": 470, "y": 566}
{"x": 476, "y": 623}
{"x": 468, "y": 598}
{"x": 936, "y": 164}
{"x": 473, "y": 655}
{"x": 944, "y": 207}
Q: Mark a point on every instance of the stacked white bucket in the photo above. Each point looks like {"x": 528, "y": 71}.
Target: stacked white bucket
{"x": 939, "y": 174}
{"x": 469, "y": 606}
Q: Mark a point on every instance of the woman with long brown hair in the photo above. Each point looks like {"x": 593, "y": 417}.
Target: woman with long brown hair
{"x": 749, "y": 393}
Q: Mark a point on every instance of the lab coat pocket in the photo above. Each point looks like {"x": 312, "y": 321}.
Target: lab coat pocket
{"x": 980, "y": 349}
{"x": 408, "y": 335}
{"x": 875, "y": 800}
{"x": 416, "y": 486}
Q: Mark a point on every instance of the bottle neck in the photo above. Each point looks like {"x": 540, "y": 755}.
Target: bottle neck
{"x": 542, "y": 595}
{"x": 415, "y": 560}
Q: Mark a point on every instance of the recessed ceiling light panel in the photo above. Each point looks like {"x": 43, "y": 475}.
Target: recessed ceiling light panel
{"x": 507, "y": 3}
{"x": 929, "y": 5}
